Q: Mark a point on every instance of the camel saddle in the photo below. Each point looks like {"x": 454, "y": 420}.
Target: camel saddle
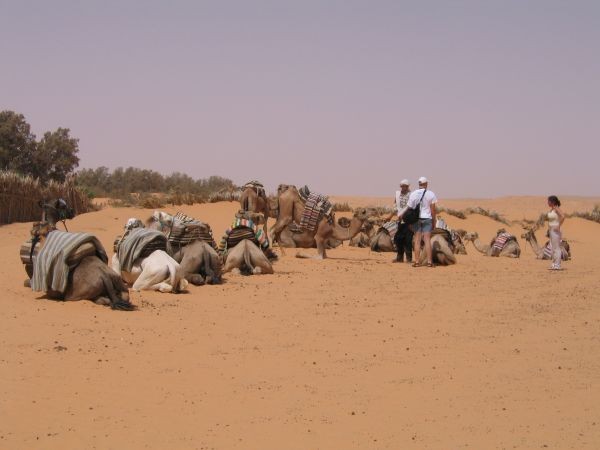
{"x": 186, "y": 229}
{"x": 446, "y": 234}
{"x": 500, "y": 242}
{"x": 257, "y": 186}
{"x": 316, "y": 206}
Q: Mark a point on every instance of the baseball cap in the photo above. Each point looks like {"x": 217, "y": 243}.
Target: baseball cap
{"x": 423, "y": 180}
{"x": 404, "y": 182}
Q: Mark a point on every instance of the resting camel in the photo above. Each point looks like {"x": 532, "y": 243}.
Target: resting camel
{"x": 510, "y": 250}
{"x": 200, "y": 263}
{"x": 324, "y": 232}
{"x": 291, "y": 208}
{"x": 89, "y": 277}
{"x": 442, "y": 252}
{"x": 143, "y": 263}
{"x": 248, "y": 259}
{"x": 156, "y": 272}
{"x": 545, "y": 252}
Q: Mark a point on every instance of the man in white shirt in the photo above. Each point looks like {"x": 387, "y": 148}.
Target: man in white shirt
{"x": 423, "y": 227}
{"x": 403, "y": 239}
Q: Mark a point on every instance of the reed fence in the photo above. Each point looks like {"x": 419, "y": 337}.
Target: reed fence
{"x": 19, "y": 197}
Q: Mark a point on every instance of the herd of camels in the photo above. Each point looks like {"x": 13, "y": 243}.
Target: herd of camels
{"x": 144, "y": 257}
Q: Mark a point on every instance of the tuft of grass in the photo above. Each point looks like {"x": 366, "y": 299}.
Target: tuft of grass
{"x": 342, "y": 207}
{"x": 593, "y": 215}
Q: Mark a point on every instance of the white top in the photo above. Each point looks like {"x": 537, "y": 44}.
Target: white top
{"x": 428, "y": 200}
{"x": 553, "y": 219}
{"x": 401, "y": 201}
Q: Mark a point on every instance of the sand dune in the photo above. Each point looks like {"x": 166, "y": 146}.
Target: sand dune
{"x": 350, "y": 352}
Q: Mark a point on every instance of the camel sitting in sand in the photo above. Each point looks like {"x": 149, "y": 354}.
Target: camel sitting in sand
{"x": 546, "y": 251}
{"x": 191, "y": 245}
{"x": 155, "y": 272}
{"x": 143, "y": 262}
{"x": 510, "y": 249}
{"x": 442, "y": 252}
{"x": 200, "y": 263}
{"x": 72, "y": 266}
{"x": 247, "y": 258}
{"x": 291, "y": 208}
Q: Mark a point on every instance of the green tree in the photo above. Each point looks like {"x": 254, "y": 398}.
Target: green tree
{"x": 17, "y": 142}
{"x": 56, "y": 156}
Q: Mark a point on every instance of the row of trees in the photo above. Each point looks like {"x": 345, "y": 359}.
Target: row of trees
{"x": 101, "y": 182}
{"x": 53, "y": 157}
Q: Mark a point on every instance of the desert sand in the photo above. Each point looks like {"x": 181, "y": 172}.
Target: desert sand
{"x": 348, "y": 353}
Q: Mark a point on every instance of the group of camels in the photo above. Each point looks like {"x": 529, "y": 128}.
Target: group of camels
{"x": 151, "y": 263}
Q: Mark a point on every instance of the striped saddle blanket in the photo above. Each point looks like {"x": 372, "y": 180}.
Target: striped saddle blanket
{"x": 548, "y": 251}
{"x": 391, "y": 227}
{"x": 243, "y": 229}
{"x": 62, "y": 252}
{"x": 139, "y": 243}
{"x": 501, "y": 240}
{"x": 316, "y": 206}
{"x": 186, "y": 229}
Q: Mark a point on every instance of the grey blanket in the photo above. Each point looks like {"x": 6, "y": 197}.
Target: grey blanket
{"x": 50, "y": 266}
{"x": 140, "y": 242}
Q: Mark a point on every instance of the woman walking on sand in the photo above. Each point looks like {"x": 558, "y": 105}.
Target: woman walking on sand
{"x": 555, "y": 219}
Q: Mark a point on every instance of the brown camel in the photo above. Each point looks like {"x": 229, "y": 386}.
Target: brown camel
{"x": 200, "y": 263}
{"x": 291, "y": 208}
{"x": 442, "y": 251}
{"x": 248, "y": 259}
{"x": 326, "y": 231}
{"x": 90, "y": 278}
{"x": 545, "y": 252}
{"x": 253, "y": 199}
{"x": 510, "y": 250}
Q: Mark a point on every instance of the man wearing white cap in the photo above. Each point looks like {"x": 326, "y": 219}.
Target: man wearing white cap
{"x": 423, "y": 227}
{"x": 404, "y": 236}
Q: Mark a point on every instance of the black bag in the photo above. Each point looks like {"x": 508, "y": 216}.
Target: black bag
{"x": 412, "y": 214}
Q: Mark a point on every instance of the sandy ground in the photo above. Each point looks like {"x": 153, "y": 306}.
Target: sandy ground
{"x": 348, "y": 353}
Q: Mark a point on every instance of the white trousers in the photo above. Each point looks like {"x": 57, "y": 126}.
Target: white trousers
{"x": 555, "y": 238}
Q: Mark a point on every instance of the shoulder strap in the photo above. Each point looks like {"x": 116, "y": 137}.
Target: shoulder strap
{"x": 422, "y": 196}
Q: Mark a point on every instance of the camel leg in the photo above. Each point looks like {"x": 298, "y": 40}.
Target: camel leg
{"x": 321, "y": 254}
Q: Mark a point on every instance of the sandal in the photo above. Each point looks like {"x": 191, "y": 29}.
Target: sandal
{"x": 430, "y": 265}
{"x": 416, "y": 264}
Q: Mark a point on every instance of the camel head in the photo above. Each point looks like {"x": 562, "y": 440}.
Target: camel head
{"x": 361, "y": 214}
{"x": 471, "y": 236}
{"x": 344, "y": 222}
{"x": 41, "y": 230}
{"x": 159, "y": 220}
{"x": 528, "y": 235}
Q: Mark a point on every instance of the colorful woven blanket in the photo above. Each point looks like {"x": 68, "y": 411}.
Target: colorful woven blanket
{"x": 241, "y": 229}
{"x": 501, "y": 240}
{"x": 186, "y": 229}
{"x": 548, "y": 252}
{"x": 316, "y": 207}
{"x": 54, "y": 261}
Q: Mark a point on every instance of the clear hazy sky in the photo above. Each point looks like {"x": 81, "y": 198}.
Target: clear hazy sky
{"x": 486, "y": 98}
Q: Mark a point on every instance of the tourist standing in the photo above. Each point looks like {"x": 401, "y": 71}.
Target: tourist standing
{"x": 403, "y": 239}
{"x": 555, "y": 219}
{"x": 423, "y": 227}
